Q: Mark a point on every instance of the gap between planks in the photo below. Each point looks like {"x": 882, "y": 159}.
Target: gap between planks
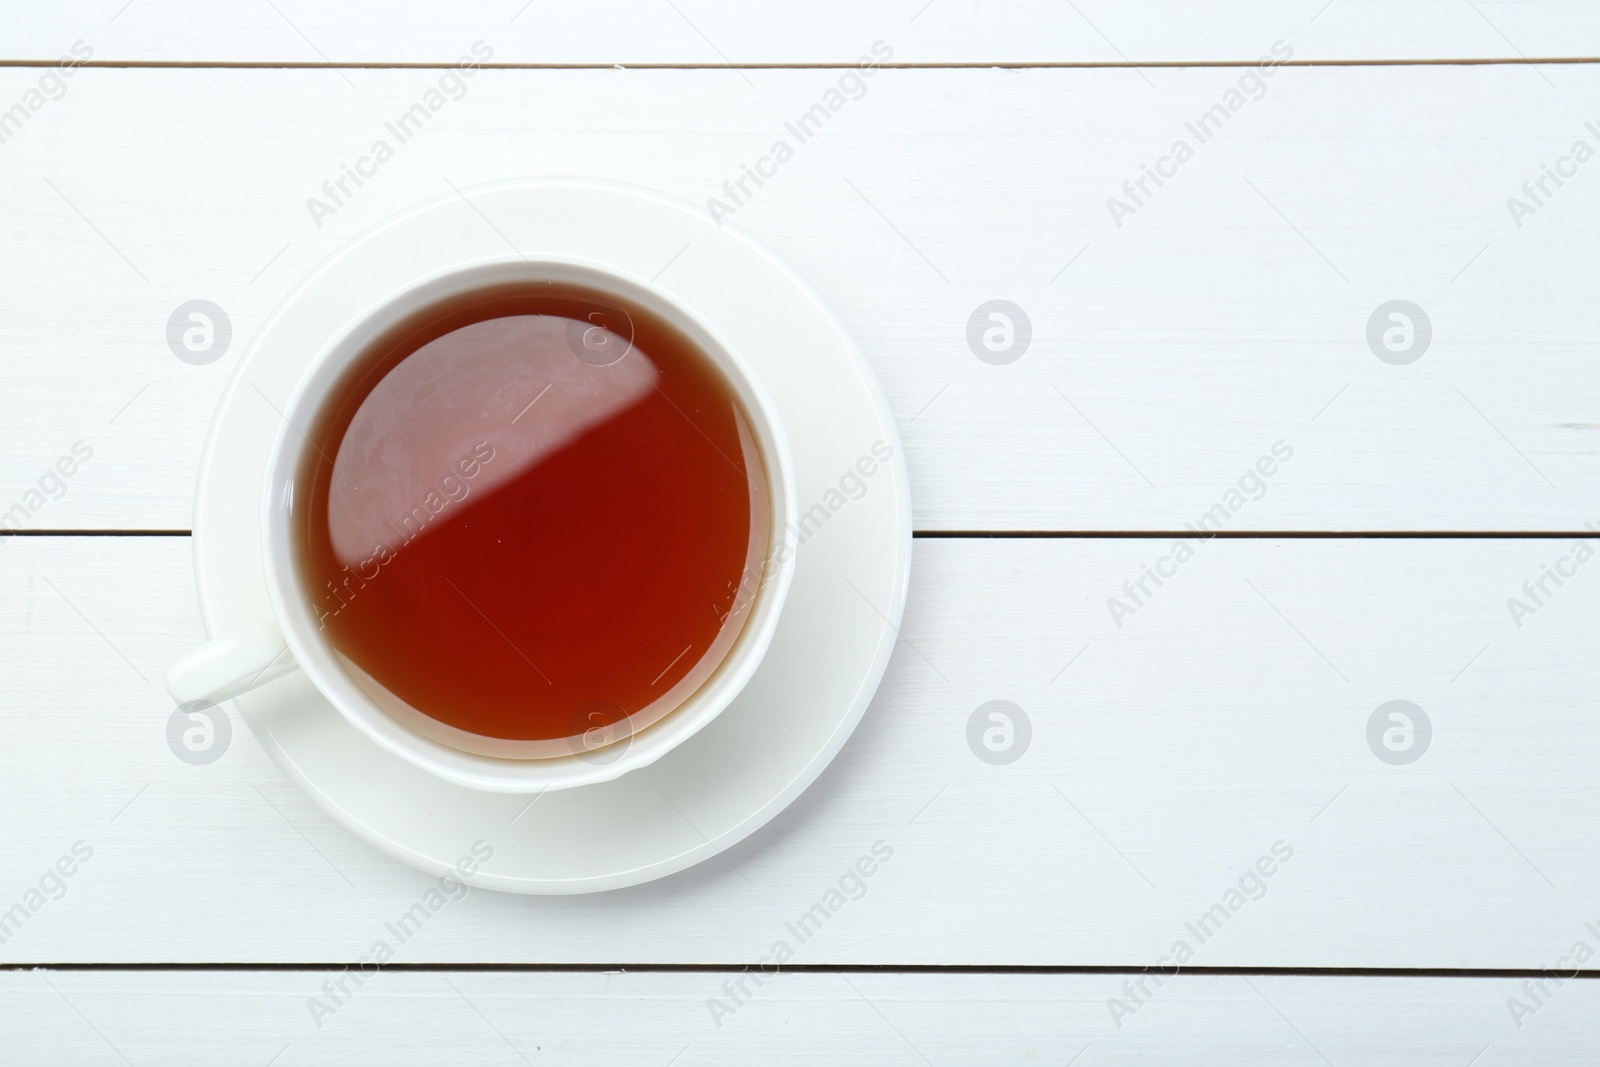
{"x": 828, "y": 968}
{"x": 1065, "y": 535}
{"x": 203, "y": 64}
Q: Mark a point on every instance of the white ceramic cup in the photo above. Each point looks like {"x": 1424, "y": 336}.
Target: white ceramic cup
{"x": 292, "y": 639}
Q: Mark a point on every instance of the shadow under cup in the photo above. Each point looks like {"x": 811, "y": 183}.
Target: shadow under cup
{"x": 533, "y": 518}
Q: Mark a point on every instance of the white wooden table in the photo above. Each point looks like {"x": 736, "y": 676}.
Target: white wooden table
{"x": 1176, "y": 740}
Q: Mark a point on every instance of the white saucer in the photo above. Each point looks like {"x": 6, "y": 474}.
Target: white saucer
{"x": 838, "y": 625}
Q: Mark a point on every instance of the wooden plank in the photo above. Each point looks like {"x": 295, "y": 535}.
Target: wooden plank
{"x": 700, "y": 32}
{"x": 1169, "y": 354}
{"x": 426, "y": 1018}
{"x": 1169, "y": 757}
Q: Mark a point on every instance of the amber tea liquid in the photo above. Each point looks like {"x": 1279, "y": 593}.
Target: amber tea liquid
{"x": 529, "y": 513}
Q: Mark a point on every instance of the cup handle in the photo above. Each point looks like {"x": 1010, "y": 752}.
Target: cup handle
{"x": 231, "y": 664}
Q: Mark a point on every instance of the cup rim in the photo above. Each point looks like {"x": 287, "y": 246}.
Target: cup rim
{"x": 317, "y": 658}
